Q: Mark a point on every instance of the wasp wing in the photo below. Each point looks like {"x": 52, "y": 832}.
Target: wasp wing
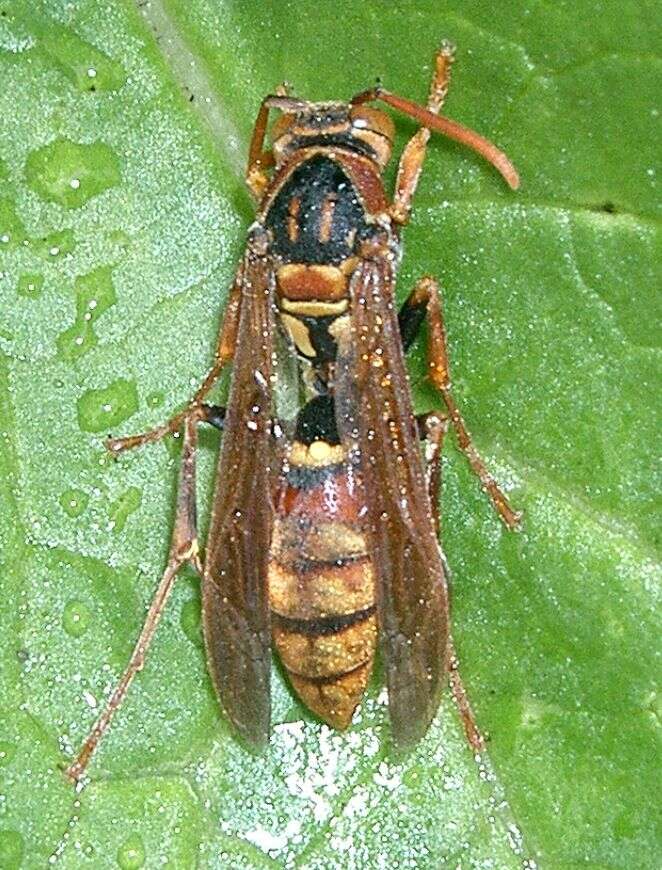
{"x": 234, "y": 587}
{"x": 374, "y": 411}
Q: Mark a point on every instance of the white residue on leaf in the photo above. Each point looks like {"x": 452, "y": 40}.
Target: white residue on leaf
{"x": 269, "y": 842}
{"x": 316, "y": 779}
{"x": 388, "y": 776}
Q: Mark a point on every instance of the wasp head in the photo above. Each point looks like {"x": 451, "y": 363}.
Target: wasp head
{"x": 359, "y": 128}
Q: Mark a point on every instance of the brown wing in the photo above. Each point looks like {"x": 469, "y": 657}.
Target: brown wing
{"x": 234, "y": 588}
{"x": 374, "y": 409}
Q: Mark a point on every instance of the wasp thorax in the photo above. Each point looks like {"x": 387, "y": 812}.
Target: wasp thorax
{"x": 361, "y": 129}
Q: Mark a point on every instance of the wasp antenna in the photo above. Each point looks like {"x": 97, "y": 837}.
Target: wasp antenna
{"x": 447, "y": 127}
{"x": 367, "y": 96}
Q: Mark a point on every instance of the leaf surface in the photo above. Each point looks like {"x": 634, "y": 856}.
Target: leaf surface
{"x": 122, "y": 214}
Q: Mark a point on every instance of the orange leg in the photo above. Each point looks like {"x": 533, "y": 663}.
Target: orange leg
{"x": 433, "y": 428}
{"x": 224, "y": 354}
{"x": 260, "y": 160}
{"x": 426, "y": 295}
{"x": 430, "y": 119}
{"x": 436, "y": 426}
{"x": 474, "y": 738}
{"x": 183, "y": 549}
{"x": 413, "y": 155}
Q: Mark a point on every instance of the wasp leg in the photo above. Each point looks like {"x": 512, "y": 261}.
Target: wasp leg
{"x": 474, "y": 738}
{"x": 224, "y": 354}
{"x": 413, "y": 155}
{"x": 183, "y": 549}
{"x": 214, "y": 415}
{"x": 260, "y": 160}
{"x": 433, "y": 428}
{"x": 426, "y": 294}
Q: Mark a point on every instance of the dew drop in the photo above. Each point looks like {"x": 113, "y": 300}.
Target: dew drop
{"x": 121, "y": 510}
{"x": 86, "y": 67}
{"x": 74, "y": 502}
{"x": 131, "y": 854}
{"x": 55, "y": 245}
{"x": 30, "y": 285}
{"x": 50, "y": 170}
{"x": 75, "y": 341}
{"x": 76, "y": 618}
{"x": 119, "y": 237}
{"x": 172, "y": 444}
{"x": 103, "y": 409}
{"x": 155, "y": 400}
{"x": 12, "y": 850}
{"x": 95, "y": 294}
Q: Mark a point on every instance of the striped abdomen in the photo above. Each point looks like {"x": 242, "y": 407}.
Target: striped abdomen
{"x": 321, "y": 583}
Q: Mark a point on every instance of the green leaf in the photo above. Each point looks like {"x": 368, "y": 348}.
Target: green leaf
{"x": 123, "y": 139}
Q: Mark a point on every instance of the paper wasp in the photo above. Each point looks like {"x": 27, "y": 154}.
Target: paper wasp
{"x": 324, "y": 530}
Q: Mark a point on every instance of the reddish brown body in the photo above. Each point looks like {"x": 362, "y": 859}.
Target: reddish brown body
{"x": 321, "y": 577}
{"x": 322, "y": 588}
{"x": 324, "y": 534}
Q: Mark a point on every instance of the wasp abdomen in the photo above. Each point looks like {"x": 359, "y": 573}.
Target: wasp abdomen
{"x": 321, "y": 583}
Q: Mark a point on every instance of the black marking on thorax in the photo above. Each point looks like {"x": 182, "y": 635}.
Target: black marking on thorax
{"x": 314, "y": 183}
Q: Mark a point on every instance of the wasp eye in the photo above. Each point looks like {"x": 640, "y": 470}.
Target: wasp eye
{"x": 366, "y": 118}
{"x": 375, "y": 129}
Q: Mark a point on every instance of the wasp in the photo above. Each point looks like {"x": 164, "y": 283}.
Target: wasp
{"x": 324, "y": 532}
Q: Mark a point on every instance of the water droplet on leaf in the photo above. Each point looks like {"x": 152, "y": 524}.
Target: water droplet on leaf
{"x": 76, "y": 618}
{"x": 84, "y": 65}
{"x": 95, "y": 294}
{"x": 7, "y": 752}
{"x": 74, "y": 502}
{"x": 131, "y": 854}
{"x": 55, "y": 245}
{"x": 49, "y": 171}
{"x": 103, "y": 409}
{"x": 125, "y": 505}
{"x": 30, "y": 285}
{"x": 12, "y": 231}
